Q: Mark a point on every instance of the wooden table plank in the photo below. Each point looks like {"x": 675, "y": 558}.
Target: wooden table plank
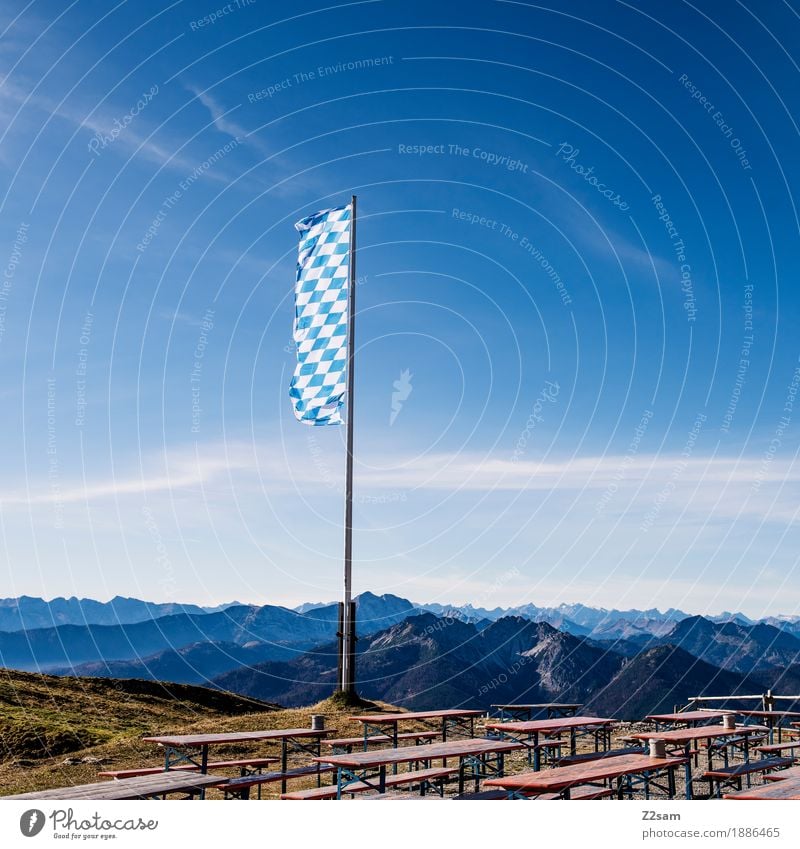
{"x": 379, "y": 718}
{"x": 564, "y": 722}
{"x": 686, "y": 736}
{"x": 562, "y": 777}
{"x": 788, "y": 789}
{"x": 186, "y": 746}
{"x": 186, "y": 740}
{"x": 407, "y": 754}
{"x": 769, "y": 714}
{"x": 128, "y": 788}
{"x": 773, "y": 719}
{"x": 595, "y": 725}
{"x": 512, "y": 712}
{"x": 690, "y": 715}
{"x": 703, "y": 732}
{"x": 542, "y": 706}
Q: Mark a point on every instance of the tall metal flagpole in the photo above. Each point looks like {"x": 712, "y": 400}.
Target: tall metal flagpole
{"x": 347, "y": 643}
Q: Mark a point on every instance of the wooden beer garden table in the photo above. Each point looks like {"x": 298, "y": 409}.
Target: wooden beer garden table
{"x": 193, "y": 748}
{"x": 691, "y": 718}
{"x": 772, "y": 719}
{"x": 562, "y": 778}
{"x": 686, "y": 737}
{"x": 141, "y": 787}
{"x": 526, "y": 712}
{"x": 528, "y": 733}
{"x": 475, "y": 755}
{"x": 462, "y": 722}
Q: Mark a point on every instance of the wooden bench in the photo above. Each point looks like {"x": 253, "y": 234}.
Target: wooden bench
{"x": 634, "y": 744}
{"x": 581, "y": 791}
{"x": 777, "y": 748}
{"x": 239, "y": 788}
{"x": 482, "y": 794}
{"x": 550, "y": 749}
{"x": 784, "y": 790}
{"x": 248, "y": 764}
{"x": 734, "y": 742}
{"x": 568, "y": 760}
{"x": 423, "y": 777}
{"x": 189, "y": 784}
{"x": 783, "y": 774}
{"x": 395, "y": 796}
{"x": 345, "y": 744}
{"x": 734, "y": 774}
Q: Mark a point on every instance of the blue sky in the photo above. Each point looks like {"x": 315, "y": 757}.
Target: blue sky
{"x": 577, "y": 232}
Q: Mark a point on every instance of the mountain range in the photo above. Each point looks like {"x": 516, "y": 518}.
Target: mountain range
{"x": 277, "y": 632}
{"x": 431, "y": 663}
{"x": 620, "y": 663}
{"x": 28, "y": 612}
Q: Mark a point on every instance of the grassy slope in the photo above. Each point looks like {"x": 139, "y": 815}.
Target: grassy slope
{"x": 55, "y": 732}
{"x": 60, "y": 731}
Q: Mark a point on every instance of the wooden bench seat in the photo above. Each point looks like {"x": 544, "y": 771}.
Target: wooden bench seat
{"x": 239, "y": 788}
{"x": 568, "y": 760}
{"x": 348, "y": 742}
{"x": 483, "y": 794}
{"x": 395, "y": 796}
{"x": 734, "y": 774}
{"x": 734, "y": 742}
{"x": 250, "y": 763}
{"x": 580, "y": 791}
{"x": 776, "y": 748}
{"x": 299, "y": 772}
{"x": 420, "y": 776}
{"x": 783, "y": 774}
{"x": 748, "y": 768}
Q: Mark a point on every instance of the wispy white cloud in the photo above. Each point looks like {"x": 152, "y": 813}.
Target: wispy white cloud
{"x": 133, "y": 140}
{"x": 221, "y": 118}
{"x": 175, "y": 472}
{"x": 465, "y": 516}
{"x": 600, "y": 239}
{"x": 752, "y": 487}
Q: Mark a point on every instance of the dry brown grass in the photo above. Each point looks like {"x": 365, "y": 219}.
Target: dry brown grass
{"x": 56, "y": 732}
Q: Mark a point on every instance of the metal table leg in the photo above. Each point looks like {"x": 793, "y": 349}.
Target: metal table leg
{"x": 284, "y": 762}
{"x": 688, "y": 770}
{"x": 204, "y": 767}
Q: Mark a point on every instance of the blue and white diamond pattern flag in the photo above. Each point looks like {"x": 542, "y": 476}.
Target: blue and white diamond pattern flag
{"x": 320, "y": 324}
